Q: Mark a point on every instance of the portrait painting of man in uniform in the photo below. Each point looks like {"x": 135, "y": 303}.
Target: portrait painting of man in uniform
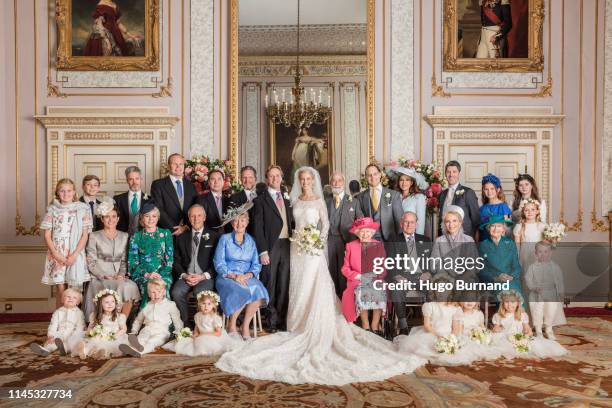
{"x": 499, "y": 35}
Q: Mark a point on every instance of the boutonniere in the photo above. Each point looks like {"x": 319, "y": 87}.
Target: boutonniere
{"x": 388, "y": 198}
{"x": 145, "y": 196}
{"x": 460, "y": 192}
{"x": 286, "y": 196}
{"x": 349, "y": 198}
{"x": 206, "y": 236}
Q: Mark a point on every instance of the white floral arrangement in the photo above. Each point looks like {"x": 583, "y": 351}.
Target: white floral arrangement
{"x": 447, "y": 344}
{"x": 102, "y": 333}
{"x": 554, "y": 232}
{"x": 520, "y": 342}
{"x": 308, "y": 240}
{"x": 480, "y": 335}
{"x": 184, "y": 333}
{"x": 105, "y": 292}
{"x": 106, "y": 205}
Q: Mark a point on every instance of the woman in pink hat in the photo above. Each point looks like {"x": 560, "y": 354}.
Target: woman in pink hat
{"x": 361, "y": 294}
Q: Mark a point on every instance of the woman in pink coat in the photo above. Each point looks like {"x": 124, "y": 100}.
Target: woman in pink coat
{"x": 360, "y": 293}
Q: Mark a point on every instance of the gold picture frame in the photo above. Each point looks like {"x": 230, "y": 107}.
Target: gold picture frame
{"x": 282, "y": 155}
{"x": 65, "y": 59}
{"x": 534, "y": 62}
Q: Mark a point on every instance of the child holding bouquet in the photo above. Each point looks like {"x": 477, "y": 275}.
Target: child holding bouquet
{"x": 438, "y": 335}
{"x": 513, "y": 335}
{"x": 107, "y": 328}
{"x": 208, "y": 338}
{"x": 475, "y": 338}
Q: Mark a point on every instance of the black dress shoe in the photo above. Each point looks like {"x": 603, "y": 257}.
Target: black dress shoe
{"x": 379, "y": 333}
{"x": 405, "y": 331}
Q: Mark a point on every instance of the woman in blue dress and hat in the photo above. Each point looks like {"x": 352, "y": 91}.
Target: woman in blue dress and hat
{"x": 151, "y": 252}
{"x": 493, "y": 202}
{"x": 411, "y": 186}
{"x": 237, "y": 264}
{"x": 501, "y": 261}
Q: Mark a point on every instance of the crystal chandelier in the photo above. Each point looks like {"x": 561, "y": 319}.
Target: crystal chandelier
{"x": 302, "y": 110}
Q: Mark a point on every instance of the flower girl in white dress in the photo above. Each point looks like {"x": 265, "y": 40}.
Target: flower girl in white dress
{"x": 209, "y": 337}
{"x": 107, "y": 328}
{"x": 474, "y": 337}
{"x": 513, "y": 335}
{"x": 66, "y": 328}
{"x": 438, "y": 322}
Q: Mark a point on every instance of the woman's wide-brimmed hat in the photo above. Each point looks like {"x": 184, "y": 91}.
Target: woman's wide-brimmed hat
{"x": 147, "y": 207}
{"x": 495, "y": 219}
{"x": 363, "y": 222}
{"x": 411, "y": 172}
{"x": 455, "y": 209}
{"x": 235, "y": 212}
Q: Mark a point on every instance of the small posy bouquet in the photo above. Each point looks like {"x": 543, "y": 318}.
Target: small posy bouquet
{"x": 520, "y": 342}
{"x": 101, "y": 333}
{"x": 554, "y": 232}
{"x": 184, "y": 333}
{"x": 308, "y": 240}
{"x": 447, "y": 344}
{"x": 480, "y": 335}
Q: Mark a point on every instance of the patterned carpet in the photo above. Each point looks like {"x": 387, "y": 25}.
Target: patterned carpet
{"x": 583, "y": 379}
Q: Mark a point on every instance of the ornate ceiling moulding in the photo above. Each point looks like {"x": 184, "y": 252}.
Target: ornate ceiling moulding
{"x": 106, "y": 116}
{"x": 337, "y": 65}
{"x": 503, "y": 116}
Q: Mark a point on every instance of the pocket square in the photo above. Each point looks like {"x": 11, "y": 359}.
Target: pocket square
{"x": 351, "y": 209}
{"x": 208, "y": 246}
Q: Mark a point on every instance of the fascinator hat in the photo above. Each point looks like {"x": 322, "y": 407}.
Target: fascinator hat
{"x": 147, "y": 207}
{"x": 410, "y": 172}
{"x": 454, "y": 209}
{"x": 106, "y": 206}
{"x": 493, "y": 179}
{"x": 235, "y": 212}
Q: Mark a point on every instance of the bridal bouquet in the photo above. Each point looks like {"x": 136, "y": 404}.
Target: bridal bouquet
{"x": 520, "y": 342}
{"x": 308, "y": 240}
{"x": 447, "y": 345}
{"x": 101, "y": 333}
{"x": 480, "y": 335}
{"x": 184, "y": 333}
{"x": 554, "y": 232}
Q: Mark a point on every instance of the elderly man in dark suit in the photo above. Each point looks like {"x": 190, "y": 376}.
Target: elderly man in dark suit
{"x": 173, "y": 196}
{"x": 342, "y": 210}
{"x": 193, "y": 269}
{"x": 273, "y": 224}
{"x": 381, "y": 204}
{"x": 130, "y": 202}
{"x": 462, "y": 196}
{"x": 412, "y": 245}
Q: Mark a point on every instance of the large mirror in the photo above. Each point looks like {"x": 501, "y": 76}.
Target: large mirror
{"x": 334, "y": 86}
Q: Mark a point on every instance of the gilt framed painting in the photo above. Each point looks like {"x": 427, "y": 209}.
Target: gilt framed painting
{"x": 107, "y": 35}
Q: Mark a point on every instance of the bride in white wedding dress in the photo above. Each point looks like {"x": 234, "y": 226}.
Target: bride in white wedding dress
{"x": 320, "y": 346}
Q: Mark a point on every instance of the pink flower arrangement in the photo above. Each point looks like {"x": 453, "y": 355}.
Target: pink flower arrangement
{"x": 198, "y": 167}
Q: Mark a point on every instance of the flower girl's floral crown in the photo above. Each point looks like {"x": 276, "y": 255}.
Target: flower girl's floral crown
{"x": 105, "y": 292}
{"x": 511, "y": 293}
{"x": 209, "y": 294}
{"x": 526, "y": 201}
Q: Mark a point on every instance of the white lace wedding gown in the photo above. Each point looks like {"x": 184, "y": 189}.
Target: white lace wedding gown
{"x": 320, "y": 346}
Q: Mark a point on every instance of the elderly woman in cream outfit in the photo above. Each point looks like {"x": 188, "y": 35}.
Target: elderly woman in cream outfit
{"x": 107, "y": 261}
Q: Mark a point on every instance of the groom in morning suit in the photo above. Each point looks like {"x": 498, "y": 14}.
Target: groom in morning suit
{"x": 342, "y": 210}
{"x": 381, "y": 204}
{"x": 462, "y": 196}
{"x": 173, "y": 196}
{"x": 272, "y": 225}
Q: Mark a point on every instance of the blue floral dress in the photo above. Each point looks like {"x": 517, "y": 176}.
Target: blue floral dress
{"x": 151, "y": 252}
{"x": 230, "y": 256}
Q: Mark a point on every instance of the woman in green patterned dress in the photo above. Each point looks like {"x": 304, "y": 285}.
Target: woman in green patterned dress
{"x": 151, "y": 253}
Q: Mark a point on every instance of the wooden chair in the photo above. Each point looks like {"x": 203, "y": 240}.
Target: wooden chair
{"x": 256, "y": 322}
